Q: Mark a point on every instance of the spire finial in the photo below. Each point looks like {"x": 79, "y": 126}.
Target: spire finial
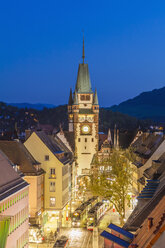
{"x": 83, "y": 55}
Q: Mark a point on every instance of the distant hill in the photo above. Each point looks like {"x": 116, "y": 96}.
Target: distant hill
{"x": 38, "y": 106}
{"x": 147, "y": 105}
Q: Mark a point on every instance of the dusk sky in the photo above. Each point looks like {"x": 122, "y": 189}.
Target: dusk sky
{"x": 41, "y": 47}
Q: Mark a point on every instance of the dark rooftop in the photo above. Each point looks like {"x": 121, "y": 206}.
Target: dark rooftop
{"x": 10, "y": 181}
{"x": 19, "y": 155}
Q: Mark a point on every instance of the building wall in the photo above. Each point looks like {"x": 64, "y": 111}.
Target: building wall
{"x": 39, "y": 150}
{"x": 35, "y": 194}
{"x": 17, "y": 207}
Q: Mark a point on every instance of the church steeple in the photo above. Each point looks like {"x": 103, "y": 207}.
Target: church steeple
{"x": 83, "y": 84}
{"x": 83, "y": 55}
{"x": 70, "y": 102}
{"x": 95, "y": 101}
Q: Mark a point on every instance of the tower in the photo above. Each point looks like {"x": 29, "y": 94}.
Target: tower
{"x": 83, "y": 115}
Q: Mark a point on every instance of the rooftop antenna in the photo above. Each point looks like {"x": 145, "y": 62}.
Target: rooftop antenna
{"x": 83, "y": 55}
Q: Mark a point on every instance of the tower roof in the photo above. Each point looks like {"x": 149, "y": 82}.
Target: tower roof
{"x": 95, "y": 101}
{"x": 83, "y": 84}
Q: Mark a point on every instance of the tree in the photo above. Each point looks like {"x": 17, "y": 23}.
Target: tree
{"x": 114, "y": 181}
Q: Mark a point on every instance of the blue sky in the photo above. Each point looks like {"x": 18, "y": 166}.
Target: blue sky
{"x": 41, "y": 47}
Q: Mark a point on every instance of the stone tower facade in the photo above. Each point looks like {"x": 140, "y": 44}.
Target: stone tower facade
{"x": 83, "y": 114}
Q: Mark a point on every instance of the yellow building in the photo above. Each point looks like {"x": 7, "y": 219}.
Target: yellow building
{"x": 55, "y": 161}
{"x": 83, "y": 114}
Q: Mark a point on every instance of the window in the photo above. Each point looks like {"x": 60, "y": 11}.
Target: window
{"x": 88, "y": 97}
{"x": 52, "y": 201}
{"x": 79, "y": 139}
{"x": 52, "y": 172}
{"x": 92, "y": 139}
{"x": 46, "y": 157}
{"x": 85, "y": 147}
{"x": 85, "y": 139}
{"x": 52, "y": 187}
{"x": 82, "y": 97}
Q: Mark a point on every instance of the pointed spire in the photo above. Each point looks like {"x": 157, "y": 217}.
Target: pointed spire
{"x": 109, "y": 137}
{"x": 70, "y": 102}
{"x": 75, "y": 98}
{"x": 95, "y": 100}
{"x": 83, "y": 55}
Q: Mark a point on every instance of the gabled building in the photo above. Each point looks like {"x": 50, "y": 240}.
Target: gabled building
{"x": 14, "y": 206}
{"x": 33, "y": 174}
{"x": 56, "y": 161}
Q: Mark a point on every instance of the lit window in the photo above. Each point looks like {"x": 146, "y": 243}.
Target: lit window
{"x": 46, "y": 157}
{"x": 52, "y": 187}
{"x": 52, "y": 201}
{"x": 52, "y": 172}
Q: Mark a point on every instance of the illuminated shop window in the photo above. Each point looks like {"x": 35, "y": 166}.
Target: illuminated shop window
{"x": 52, "y": 201}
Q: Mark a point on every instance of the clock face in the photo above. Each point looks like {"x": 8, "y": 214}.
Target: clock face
{"x": 86, "y": 129}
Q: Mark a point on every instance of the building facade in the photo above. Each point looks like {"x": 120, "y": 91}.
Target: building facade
{"x": 83, "y": 115}
{"x": 14, "y": 206}
{"x": 56, "y": 163}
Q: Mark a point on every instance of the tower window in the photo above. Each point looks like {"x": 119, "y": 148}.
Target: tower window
{"x": 85, "y": 139}
{"x": 88, "y": 97}
{"x": 79, "y": 139}
{"x": 92, "y": 139}
{"x": 82, "y": 97}
{"x": 85, "y": 147}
